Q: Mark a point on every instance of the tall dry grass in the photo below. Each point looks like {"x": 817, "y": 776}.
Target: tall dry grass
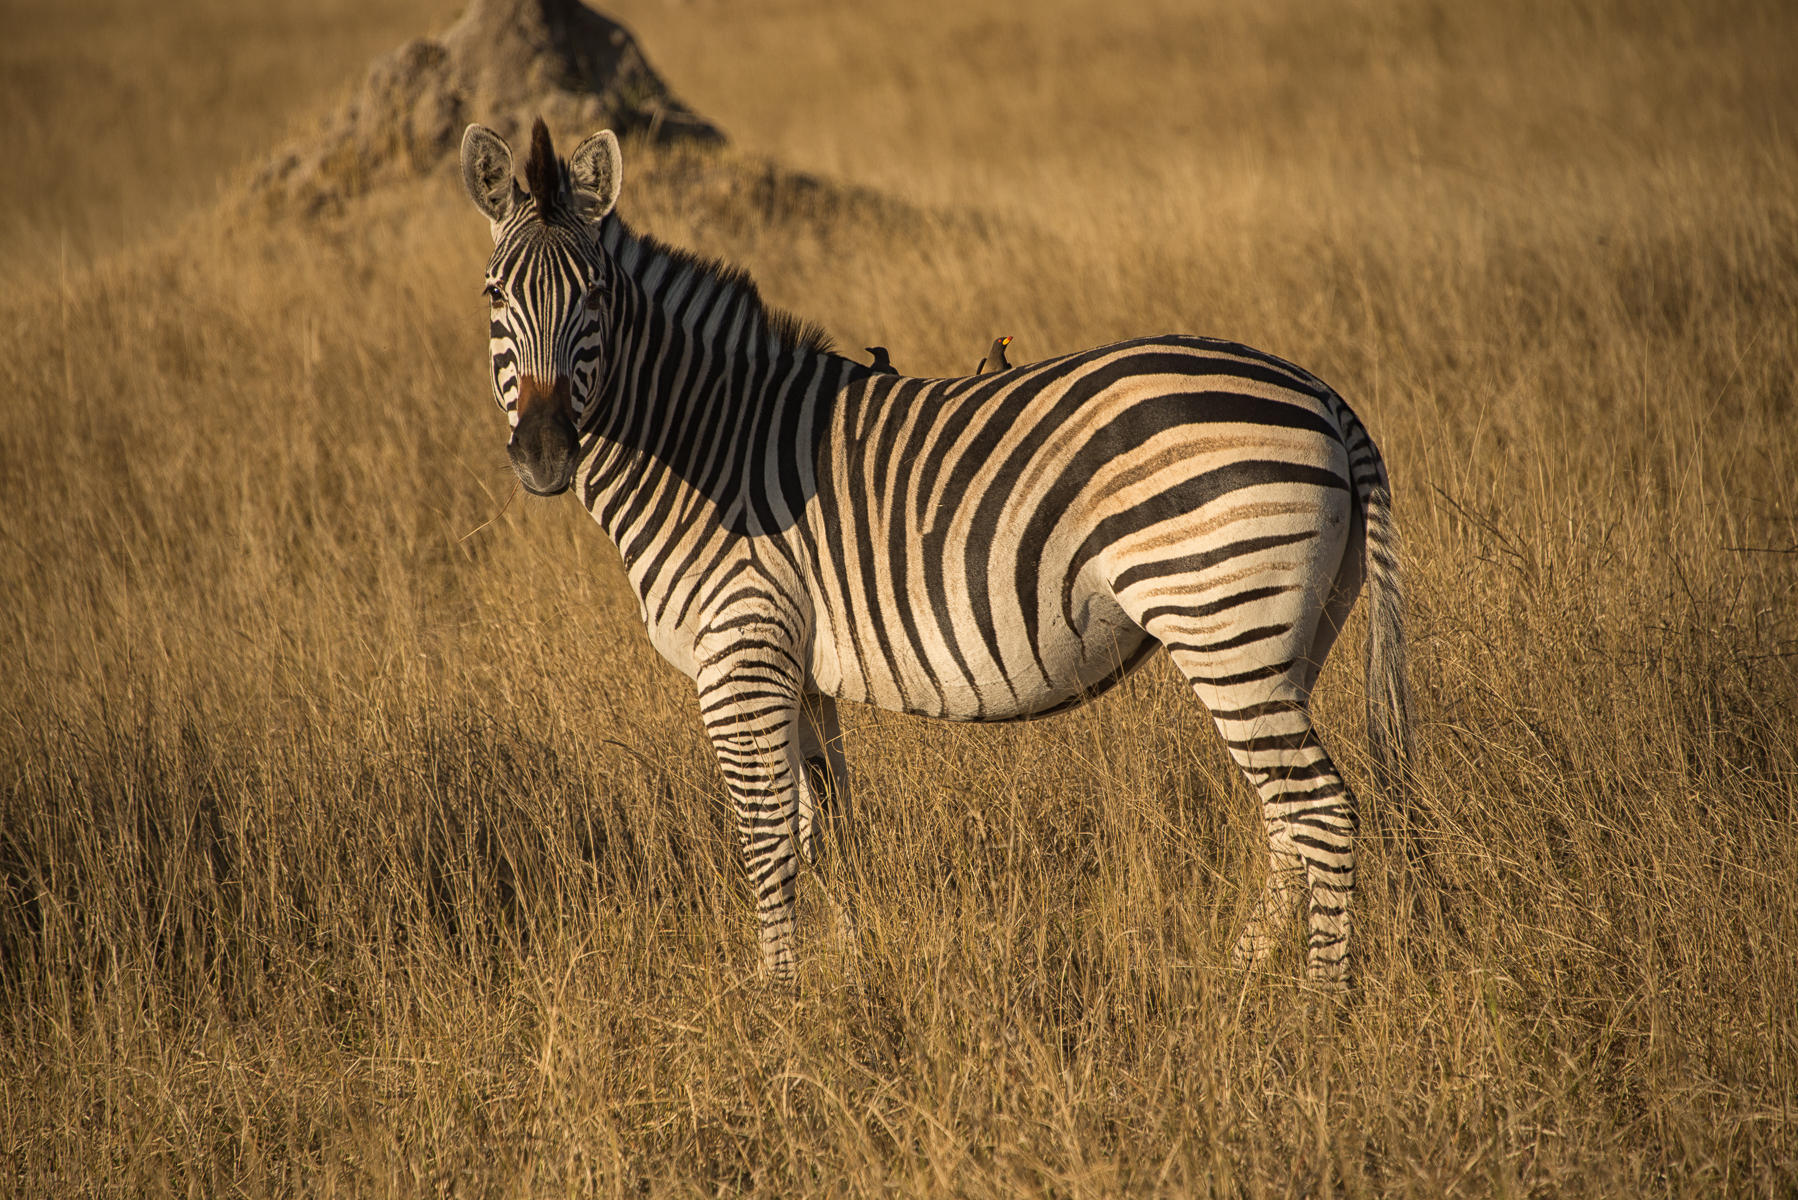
{"x": 354, "y": 841}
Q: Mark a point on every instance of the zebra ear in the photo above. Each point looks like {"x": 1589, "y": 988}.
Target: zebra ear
{"x": 597, "y": 167}
{"x": 487, "y": 172}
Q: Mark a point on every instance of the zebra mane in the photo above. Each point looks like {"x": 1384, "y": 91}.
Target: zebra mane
{"x": 684, "y": 271}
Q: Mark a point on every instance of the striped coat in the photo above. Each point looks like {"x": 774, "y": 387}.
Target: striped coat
{"x": 801, "y": 529}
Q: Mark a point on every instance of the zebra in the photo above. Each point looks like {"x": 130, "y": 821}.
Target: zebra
{"x": 801, "y": 529}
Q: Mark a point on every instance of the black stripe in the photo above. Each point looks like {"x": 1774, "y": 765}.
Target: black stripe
{"x": 1188, "y": 498}
{"x": 1204, "y": 560}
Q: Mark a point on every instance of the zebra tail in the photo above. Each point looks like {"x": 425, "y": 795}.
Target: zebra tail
{"x": 1434, "y": 902}
{"x": 1388, "y": 691}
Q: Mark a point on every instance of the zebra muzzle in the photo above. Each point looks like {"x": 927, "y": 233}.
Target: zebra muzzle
{"x": 544, "y": 445}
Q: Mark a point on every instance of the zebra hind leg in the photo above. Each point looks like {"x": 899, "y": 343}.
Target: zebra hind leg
{"x": 1310, "y": 818}
{"x": 1307, "y": 810}
{"x": 827, "y": 827}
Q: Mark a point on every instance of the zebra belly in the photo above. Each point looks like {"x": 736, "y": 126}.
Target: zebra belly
{"x": 1102, "y": 665}
{"x": 940, "y": 677}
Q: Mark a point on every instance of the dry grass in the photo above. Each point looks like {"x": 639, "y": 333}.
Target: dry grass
{"x": 353, "y": 840}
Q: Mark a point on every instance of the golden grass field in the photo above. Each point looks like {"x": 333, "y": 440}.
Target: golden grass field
{"x": 354, "y": 841}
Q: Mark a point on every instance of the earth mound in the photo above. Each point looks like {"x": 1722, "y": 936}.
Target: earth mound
{"x": 503, "y": 63}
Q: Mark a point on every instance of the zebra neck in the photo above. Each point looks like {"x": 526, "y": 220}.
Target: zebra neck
{"x": 714, "y": 403}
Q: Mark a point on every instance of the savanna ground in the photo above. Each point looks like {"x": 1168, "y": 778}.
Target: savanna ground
{"x": 353, "y": 841}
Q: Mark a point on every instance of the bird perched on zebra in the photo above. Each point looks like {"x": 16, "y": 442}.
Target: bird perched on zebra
{"x": 799, "y": 530}
{"x": 995, "y": 359}
{"x": 881, "y": 362}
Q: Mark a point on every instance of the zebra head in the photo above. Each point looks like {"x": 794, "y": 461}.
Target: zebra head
{"x": 548, "y": 289}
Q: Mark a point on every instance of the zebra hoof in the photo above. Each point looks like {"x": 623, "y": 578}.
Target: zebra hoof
{"x": 778, "y": 969}
{"x": 1338, "y": 984}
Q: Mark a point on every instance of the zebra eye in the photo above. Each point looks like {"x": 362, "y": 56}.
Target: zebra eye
{"x": 495, "y": 298}
{"x": 591, "y": 298}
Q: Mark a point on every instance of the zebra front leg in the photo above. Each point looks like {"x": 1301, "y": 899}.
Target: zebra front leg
{"x": 752, "y": 723}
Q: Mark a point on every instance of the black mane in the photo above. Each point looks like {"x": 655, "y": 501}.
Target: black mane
{"x": 789, "y": 330}
{"x": 546, "y": 176}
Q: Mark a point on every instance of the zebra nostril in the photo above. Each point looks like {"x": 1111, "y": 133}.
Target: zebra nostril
{"x": 543, "y": 449}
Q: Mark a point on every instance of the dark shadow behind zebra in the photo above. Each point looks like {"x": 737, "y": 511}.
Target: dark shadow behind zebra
{"x": 800, "y": 528}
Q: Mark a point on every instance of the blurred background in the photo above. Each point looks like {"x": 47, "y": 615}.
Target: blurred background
{"x": 353, "y": 839}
